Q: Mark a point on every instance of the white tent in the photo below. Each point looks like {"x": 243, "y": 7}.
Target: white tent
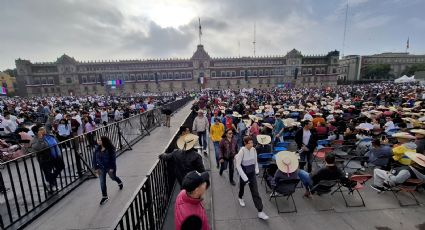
{"x": 404, "y": 79}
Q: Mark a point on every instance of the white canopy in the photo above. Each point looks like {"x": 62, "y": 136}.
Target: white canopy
{"x": 404, "y": 79}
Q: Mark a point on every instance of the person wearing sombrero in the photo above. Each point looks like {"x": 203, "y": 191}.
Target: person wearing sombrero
{"x": 383, "y": 180}
{"x": 185, "y": 158}
{"x": 287, "y": 169}
{"x": 405, "y": 144}
{"x": 263, "y": 144}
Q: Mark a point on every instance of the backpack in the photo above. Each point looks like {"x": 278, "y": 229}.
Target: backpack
{"x": 229, "y": 123}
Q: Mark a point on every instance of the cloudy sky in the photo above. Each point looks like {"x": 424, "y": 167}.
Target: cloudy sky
{"x": 42, "y": 30}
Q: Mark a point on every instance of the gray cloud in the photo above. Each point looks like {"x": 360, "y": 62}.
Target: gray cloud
{"x": 43, "y": 30}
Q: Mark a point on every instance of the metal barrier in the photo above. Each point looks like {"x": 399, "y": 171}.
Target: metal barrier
{"x": 24, "y": 191}
{"x": 149, "y": 204}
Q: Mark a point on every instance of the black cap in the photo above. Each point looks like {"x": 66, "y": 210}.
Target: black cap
{"x": 193, "y": 179}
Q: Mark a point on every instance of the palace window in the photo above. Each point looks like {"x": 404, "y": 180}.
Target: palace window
{"x": 233, "y": 73}
{"x": 223, "y": 74}
{"x": 213, "y": 74}
{"x": 68, "y": 80}
{"x": 242, "y": 73}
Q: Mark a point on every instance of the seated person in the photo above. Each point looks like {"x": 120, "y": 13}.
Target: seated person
{"x": 263, "y": 144}
{"x": 322, "y": 131}
{"x": 406, "y": 144}
{"x": 329, "y": 172}
{"x": 380, "y": 154}
{"x": 383, "y": 179}
{"x": 287, "y": 169}
{"x": 364, "y": 143}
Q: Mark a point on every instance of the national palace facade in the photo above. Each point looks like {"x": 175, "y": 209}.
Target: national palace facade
{"x": 68, "y": 76}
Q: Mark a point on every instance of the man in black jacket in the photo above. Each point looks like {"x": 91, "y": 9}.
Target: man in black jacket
{"x": 186, "y": 158}
{"x": 306, "y": 139}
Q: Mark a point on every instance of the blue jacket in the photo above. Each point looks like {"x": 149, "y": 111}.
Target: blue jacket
{"x": 104, "y": 160}
{"x": 53, "y": 145}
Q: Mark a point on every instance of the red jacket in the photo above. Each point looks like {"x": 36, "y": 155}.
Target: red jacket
{"x": 186, "y": 206}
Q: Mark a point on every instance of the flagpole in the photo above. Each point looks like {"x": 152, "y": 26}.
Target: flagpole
{"x": 200, "y": 31}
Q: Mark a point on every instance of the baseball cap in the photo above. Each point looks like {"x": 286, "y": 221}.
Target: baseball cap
{"x": 193, "y": 179}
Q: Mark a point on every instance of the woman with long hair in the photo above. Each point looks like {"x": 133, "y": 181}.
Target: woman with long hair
{"x": 104, "y": 162}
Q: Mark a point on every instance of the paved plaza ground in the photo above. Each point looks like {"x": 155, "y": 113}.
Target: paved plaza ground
{"x": 80, "y": 209}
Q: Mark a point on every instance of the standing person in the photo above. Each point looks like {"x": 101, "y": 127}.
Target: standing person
{"x": 247, "y": 166}
{"x": 89, "y": 126}
{"x": 104, "y": 161}
{"x": 278, "y": 129}
{"x": 200, "y": 127}
{"x": 228, "y": 149}
{"x": 216, "y": 133}
{"x": 189, "y": 201}
{"x": 104, "y": 116}
{"x": 306, "y": 139}
{"x": 48, "y": 155}
{"x": 167, "y": 112}
{"x": 186, "y": 158}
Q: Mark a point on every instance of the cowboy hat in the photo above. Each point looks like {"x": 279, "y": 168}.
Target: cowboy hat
{"x": 187, "y": 142}
{"x": 416, "y": 157}
{"x": 287, "y": 161}
{"x": 236, "y": 114}
{"x": 418, "y": 131}
{"x": 247, "y": 122}
{"x": 264, "y": 139}
{"x": 268, "y": 125}
{"x": 403, "y": 135}
{"x": 253, "y": 118}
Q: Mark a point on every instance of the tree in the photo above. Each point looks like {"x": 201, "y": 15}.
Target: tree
{"x": 11, "y": 72}
{"x": 377, "y": 71}
{"x": 409, "y": 71}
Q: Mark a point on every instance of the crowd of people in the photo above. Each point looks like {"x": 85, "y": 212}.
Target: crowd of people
{"x": 383, "y": 123}
{"x": 39, "y": 126}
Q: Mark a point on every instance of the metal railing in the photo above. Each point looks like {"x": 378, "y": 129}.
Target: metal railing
{"x": 24, "y": 191}
{"x": 149, "y": 205}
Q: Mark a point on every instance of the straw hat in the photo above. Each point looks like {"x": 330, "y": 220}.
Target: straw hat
{"x": 264, "y": 139}
{"x": 416, "y": 157}
{"x": 200, "y": 111}
{"x": 253, "y": 118}
{"x": 403, "y": 135}
{"x": 187, "y": 142}
{"x": 261, "y": 107}
{"x": 236, "y": 114}
{"x": 247, "y": 122}
{"x": 287, "y": 161}
{"x": 418, "y": 131}
{"x": 268, "y": 125}
{"x": 258, "y": 111}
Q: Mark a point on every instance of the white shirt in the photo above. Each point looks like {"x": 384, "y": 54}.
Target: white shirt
{"x": 308, "y": 117}
{"x": 306, "y": 136}
{"x": 58, "y": 117}
{"x": 389, "y": 125}
{"x": 365, "y": 126}
{"x": 8, "y": 124}
{"x": 150, "y": 106}
{"x": 104, "y": 116}
{"x": 246, "y": 157}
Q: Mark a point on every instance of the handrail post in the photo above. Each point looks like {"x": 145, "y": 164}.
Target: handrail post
{"x": 119, "y": 135}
